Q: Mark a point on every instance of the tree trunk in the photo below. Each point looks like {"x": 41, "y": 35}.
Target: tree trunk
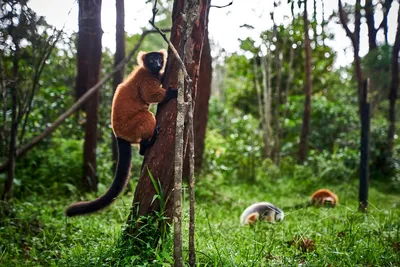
{"x": 287, "y": 86}
{"x": 355, "y": 39}
{"x": 89, "y": 61}
{"x": 258, "y": 87}
{"x": 369, "y": 15}
{"x": 266, "y": 73}
{"x": 303, "y": 146}
{"x": 158, "y": 158}
{"x": 394, "y": 86}
{"x": 384, "y": 24}
{"x": 8, "y": 185}
{"x": 118, "y": 57}
{"x": 200, "y": 115}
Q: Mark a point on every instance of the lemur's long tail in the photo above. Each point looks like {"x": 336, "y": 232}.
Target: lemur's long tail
{"x": 120, "y": 180}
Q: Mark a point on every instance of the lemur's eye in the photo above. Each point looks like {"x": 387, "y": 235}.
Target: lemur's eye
{"x": 151, "y": 61}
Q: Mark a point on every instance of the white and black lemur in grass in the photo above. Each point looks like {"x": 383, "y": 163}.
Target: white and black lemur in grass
{"x": 261, "y": 211}
{"x": 132, "y": 123}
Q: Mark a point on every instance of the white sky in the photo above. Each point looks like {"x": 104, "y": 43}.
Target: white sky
{"x": 224, "y": 23}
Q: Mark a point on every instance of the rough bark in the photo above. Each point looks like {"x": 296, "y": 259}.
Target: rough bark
{"x": 394, "y": 86}
{"x": 200, "y": 115}
{"x": 177, "y": 213}
{"x": 89, "y": 61}
{"x": 355, "y": 39}
{"x": 118, "y": 58}
{"x": 158, "y": 158}
{"x": 303, "y": 146}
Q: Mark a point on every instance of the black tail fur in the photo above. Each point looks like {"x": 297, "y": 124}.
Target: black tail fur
{"x": 120, "y": 180}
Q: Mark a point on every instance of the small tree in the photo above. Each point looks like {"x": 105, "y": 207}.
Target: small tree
{"x": 89, "y": 61}
{"x": 303, "y": 146}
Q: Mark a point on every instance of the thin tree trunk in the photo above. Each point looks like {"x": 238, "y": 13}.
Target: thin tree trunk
{"x": 323, "y": 22}
{"x": 4, "y": 136}
{"x": 303, "y": 146}
{"x": 200, "y": 116}
{"x": 369, "y": 15}
{"x": 258, "y": 88}
{"x": 180, "y": 122}
{"x": 118, "y": 58}
{"x": 202, "y": 98}
{"x": 355, "y": 39}
{"x": 288, "y": 84}
{"x": 266, "y": 72}
{"x": 88, "y": 75}
{"x": 278, "y": 65}
{"x": 278, "y": 94}
{"x": 384, "y": 24}
{"x": 8, "y": 185}
{"x": 394, "y": 86}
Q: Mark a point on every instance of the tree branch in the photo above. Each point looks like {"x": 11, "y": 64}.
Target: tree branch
{"x": 25, "y": 148}
{"x": 224, "y": 5}
{"x": 343, "y": 20}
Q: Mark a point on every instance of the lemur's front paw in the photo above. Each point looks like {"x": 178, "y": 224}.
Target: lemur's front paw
{"x": 172, "y": 93}
{"x": 157, "y": 130}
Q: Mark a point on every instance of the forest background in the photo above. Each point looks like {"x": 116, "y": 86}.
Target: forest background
{"x": 281, "y": 123}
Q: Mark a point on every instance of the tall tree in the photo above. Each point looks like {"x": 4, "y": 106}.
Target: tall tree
{"x": 14, "y": 125}
{"x": 266, "y": 81}
{"x": 394, "y": 87}
{"x": 157, "y": 159}
{"x": 355, "y": 40}
{"x": 25, "y": 42}
{"x": 303, "y": 146}
{"x": 89, "y": 61}
{"x": 118, "y": 57}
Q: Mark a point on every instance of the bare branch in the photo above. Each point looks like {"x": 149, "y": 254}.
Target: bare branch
{"x": 25, "y": 148}
{"x": 343, "y": 20}
{"x": 224, "y": 5}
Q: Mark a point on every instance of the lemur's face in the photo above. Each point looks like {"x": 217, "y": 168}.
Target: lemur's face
{"x": 279, "y": 216}
{"x": 154, "y": 61}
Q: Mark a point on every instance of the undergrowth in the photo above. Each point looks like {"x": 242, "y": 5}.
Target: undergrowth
{"x": 34, "y": 232}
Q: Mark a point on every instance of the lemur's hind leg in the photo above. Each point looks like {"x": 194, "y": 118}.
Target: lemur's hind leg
{"x": 144, "y": 144}
{"x": 149, "y": 131}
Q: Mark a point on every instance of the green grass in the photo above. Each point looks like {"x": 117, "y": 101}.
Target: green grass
{"x": 36, "y": 233}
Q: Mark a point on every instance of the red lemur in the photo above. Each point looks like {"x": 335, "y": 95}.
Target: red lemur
{"x": 324, "y": 197}
{"x": 132, "y": 122}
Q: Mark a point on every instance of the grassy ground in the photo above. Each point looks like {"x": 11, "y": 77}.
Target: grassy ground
{"x": 35, "y": 232}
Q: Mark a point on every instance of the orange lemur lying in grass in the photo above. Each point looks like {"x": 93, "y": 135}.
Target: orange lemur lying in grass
{"x": 324, "y": 197}
{"x": 261, "y": 211}
{"x": 132, "y": 122}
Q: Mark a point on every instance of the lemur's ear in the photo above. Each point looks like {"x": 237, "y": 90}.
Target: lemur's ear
{"x": 140, "y": 58}
{"x": 252, "y": 217}
{"x": 164, "y": 53}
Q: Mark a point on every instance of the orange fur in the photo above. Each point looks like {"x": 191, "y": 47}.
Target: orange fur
{"x": 323, "y": 197}
{"x": 130, "y": 115}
